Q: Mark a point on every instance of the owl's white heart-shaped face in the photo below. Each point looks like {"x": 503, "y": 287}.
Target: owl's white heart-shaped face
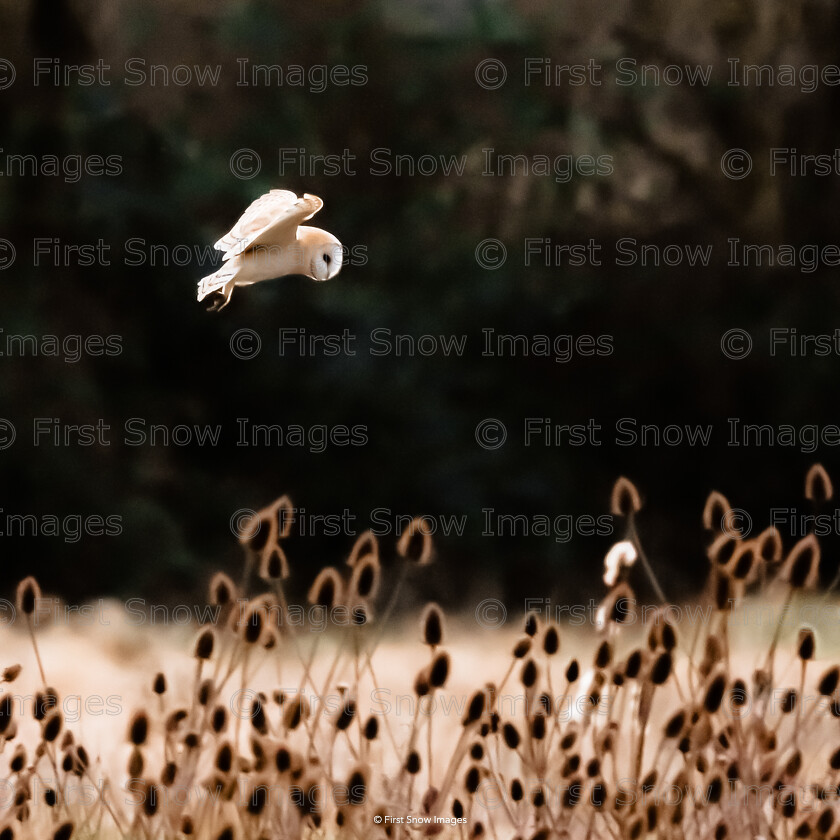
{"x": 325, "y": 252}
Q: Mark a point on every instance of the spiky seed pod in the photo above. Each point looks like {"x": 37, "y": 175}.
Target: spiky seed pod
{"x": 415, "y": 544}
{"x": 204, "y": 645}
{"x": 603, "y": 656}
{"x": 531, "y": 624}
{"x": 551, "y": 640}
{"x": 364, "y": 582}
{"x": 412, "y": 763}
{"x": 625, "y": 499}
{"x": 18, "y": 759}
{"x": 257, "y": 799}
{"x": 769, "y": 545}
{"x": 365, "y": 546}
{"x": 222, "y": 590}
{"x": 788, "y": 703}
{"x": 159, "y": 684}
{"x": 661, "y": 668}
{"x": 52, "y": 726}
{"x": 28, "y": 595}
{"x": 806, "y": 644}
{"x": 439, "y": 670}
{"x": 357, "y": 787}
{"x": 674, "y": 726}
{"x": 633, "y": 665}
{"x": 7, "y": 708}
{"x": 224, "y": 758}
{"x": 64, "y": 831}
{"x": 135, "y": 764}
{"x": 572, "y": 671}
{"x": 744, "y": 562}
{"x": 347, "y": 714}
{"x": 717, "y": 513}
{"x": 510, "y": 735}
{"x": 713, "y": 695}
{"x": 801, "y": 567}
{"x": 206, "y": 692}
{"x": 421, "y": 683}
{"x": 529, "y": 673}
{"x": 818, "y": 488}
{"x": 522, "y": 647}
{"x": 722, "y": 549}
{"x": 138, "y": 729}
{"x": 296, "y": 710}
{"x": 11, "y": 673}
{"x": 253, "y": 624}
{"x": 476, "y": 707}
{"x": 273, "y": 563}
{"x": 431, "y": 625}
{"x": 472, "y": 779}
{"x": 327, "y": 589}
{"x": 538, "y": 727}
{"x": 829, "y": 681}
{"x": 371, "y": 728}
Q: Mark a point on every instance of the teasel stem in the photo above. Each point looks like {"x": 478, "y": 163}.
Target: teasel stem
{"x": 633, "y": 535}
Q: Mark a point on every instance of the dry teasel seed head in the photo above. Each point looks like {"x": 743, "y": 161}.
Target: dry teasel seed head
{"x": 529, "y": 673}
{"x": 744, "y": 563}
{"x": 661, "y": 668}
{"x": 801, "y": 567}
{"x": 551, "y": 640}
{"x": 297, "y": 709}
{"x": 138, "y": 729}
{"x": 204, "y": 645}
{"x": 254, "y": 623}
{"x": 135, "y": 764}
{"x": 806, "y": 645}
{"x": 713, "y": 696}
{"x": 28, "y": 595}
{"x": 722, "y": 548}
{"x": 829, "y": 681}
{"x": 51, "y": 727}
{"x": 415, "y": 544}
{"x": 818, "y": 487}
{"x": 603, "y": 655}
{"x": 222, "y": 590}
{"x": 717, "y": 513}
{"x": 64, "y": 831}
{"x": 572, "y": 671}
{"x": 625, "y": 499}
{"x": 327, "y": 589}
{"x": 273, "y": 563}
{"x": 431, "y": 624}
{"x": 159, "y": 684}
{"x": 364, "y": 581}
{"x": 439, "y": 670}
{"x": 11, "y": 673}
{"x": 769, "y": 545}
{"x": 476, "y": 707}
{"x": 365, "y": 546}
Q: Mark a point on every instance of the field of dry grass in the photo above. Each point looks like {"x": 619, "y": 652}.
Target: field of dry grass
{"x": 712, "y": 719}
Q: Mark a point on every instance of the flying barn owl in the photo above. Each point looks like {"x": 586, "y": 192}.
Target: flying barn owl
{"x": 269, "y": 241}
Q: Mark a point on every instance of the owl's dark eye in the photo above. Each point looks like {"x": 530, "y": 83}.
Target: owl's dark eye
{"x": 327, "y": 259}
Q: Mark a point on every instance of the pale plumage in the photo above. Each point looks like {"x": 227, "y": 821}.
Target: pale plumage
{"x": 269, "y": 241}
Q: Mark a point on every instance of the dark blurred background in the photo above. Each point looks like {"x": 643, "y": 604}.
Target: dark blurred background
{"x": 417, "y": 274}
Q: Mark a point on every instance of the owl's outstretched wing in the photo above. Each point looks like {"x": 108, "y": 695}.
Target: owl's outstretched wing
{"x": 272, "y": 219}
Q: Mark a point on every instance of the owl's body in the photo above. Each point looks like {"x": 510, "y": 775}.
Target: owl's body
{"x": 268, "y": 241}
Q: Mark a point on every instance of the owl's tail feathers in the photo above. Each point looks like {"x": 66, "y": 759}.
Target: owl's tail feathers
{"x": 215, "y": 282}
